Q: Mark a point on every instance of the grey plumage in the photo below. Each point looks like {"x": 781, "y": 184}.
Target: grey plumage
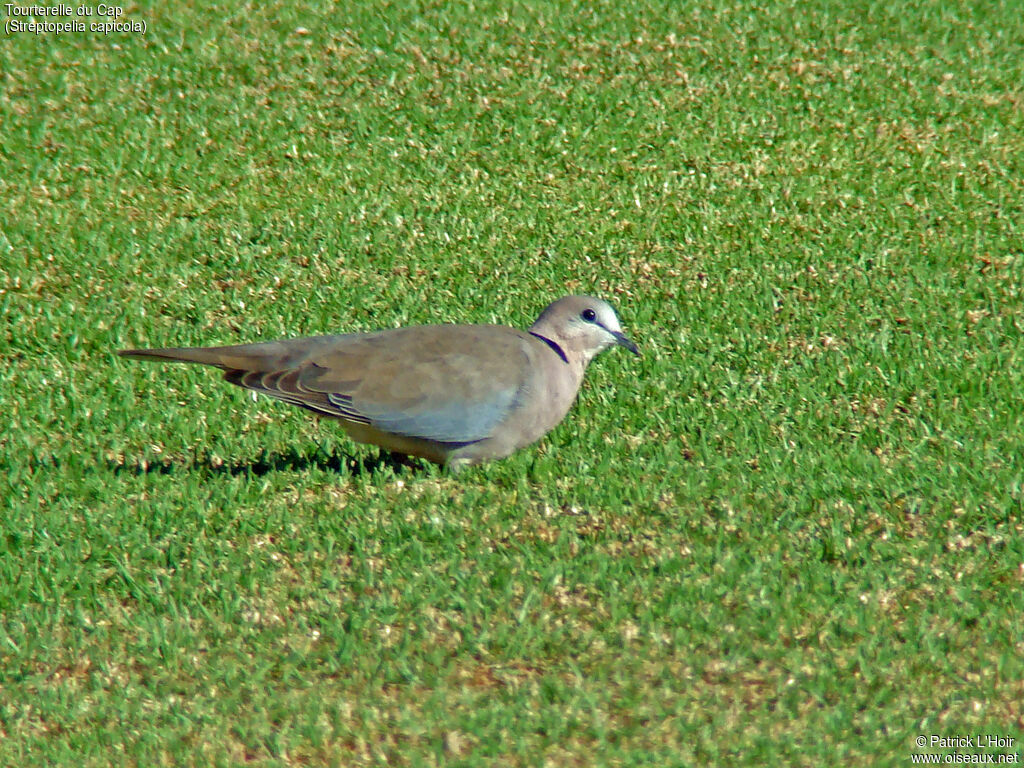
{"x": 453, "y": 394}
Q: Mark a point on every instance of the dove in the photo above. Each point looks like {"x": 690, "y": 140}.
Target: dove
{"x": 456, "y": 395}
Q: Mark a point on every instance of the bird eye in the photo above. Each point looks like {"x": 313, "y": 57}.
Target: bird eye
{"x": 589, "y": 315}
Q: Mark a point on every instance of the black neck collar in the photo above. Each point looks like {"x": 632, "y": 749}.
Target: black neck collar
{"x": 557, "y": 349}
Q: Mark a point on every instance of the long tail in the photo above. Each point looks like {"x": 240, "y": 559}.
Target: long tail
{"x": 261, "y": 357}
{"x": 258, "y": 358}
{"x": 203, "y": 355}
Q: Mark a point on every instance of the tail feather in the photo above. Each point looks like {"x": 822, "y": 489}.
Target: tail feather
{"x": 201, "y": 355}
{"x": 261, "y": 357}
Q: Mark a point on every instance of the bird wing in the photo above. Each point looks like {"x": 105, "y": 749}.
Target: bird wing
{"x": 450, "y": 384}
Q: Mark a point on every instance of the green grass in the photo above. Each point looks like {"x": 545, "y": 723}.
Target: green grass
{"x": 790, "y": 534}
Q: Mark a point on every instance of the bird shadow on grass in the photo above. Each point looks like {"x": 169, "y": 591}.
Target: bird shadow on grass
{"x": 292, "y": 460}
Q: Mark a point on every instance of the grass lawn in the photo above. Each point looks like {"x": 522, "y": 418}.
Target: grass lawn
{"x": 790, "y": 534}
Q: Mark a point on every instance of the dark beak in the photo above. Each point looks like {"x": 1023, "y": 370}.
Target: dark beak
{"x": 624, "y": 341}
